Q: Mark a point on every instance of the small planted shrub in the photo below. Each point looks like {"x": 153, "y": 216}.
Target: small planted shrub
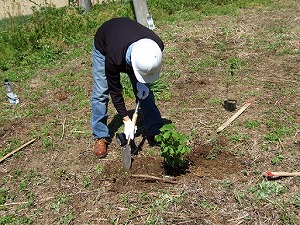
{"x": 173, "y": 145}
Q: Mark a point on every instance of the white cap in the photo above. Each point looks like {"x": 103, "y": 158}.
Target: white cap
{"x": 146, "y": 59}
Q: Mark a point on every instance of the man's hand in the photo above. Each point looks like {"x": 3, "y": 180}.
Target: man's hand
{"x": 143, "y": 90}
{"x": 129, "y": 129}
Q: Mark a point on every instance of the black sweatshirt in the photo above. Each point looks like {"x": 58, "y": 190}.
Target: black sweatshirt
{"x": 112, "y": 39}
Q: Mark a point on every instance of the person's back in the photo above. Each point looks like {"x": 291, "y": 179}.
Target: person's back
{"x": 115, "y": 35}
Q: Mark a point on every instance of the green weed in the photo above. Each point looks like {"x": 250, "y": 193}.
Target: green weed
{"x": 14, "y": 219}
{"x": 2, "y": 196}
{"x": 207, "y": 205}
{"x": 266, "y": 188}
{"x": 61, "y": 173}
{"x": 86, "y": 182}
{"x": 238, "y": 137}
{"x": 59, "y": 201}
{"x": 296, "y": 200}
{"x": 251, "y": 124}
{"x": 239, "y": 196}
{"x": 204, "y": 64}
{"x": 99, "y": 169}
{"x": 277, "y": 133}
{"x": 161, "y": 90}
{"x": 277, "y": 158}
{"x": 67, "y": 219}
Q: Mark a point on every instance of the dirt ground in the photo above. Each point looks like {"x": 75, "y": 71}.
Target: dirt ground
{"x": 215, "y": 188}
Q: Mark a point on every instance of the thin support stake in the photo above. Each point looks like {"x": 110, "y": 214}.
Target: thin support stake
{"x": 241, "y": 110}
{"x": 17, "y": 149}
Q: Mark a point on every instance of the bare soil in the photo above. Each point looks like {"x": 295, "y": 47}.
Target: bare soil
{"x": 221, "y": 167}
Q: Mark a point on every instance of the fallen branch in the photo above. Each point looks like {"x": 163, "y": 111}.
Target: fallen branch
{"x": 281, "y": 174}
{"x": 281, "y": 145}
{"x": 63, "y": 129}
{"x": 14, "y": 203}
{"x": 153, "y": 178}
{"x": 19, "y": 148}
{"x": 241, "y": 110}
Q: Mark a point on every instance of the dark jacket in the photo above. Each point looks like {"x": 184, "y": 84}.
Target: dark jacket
{"x": 112, "y": 39}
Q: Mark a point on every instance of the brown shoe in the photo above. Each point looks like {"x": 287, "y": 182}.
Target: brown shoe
{"x": 100, "y": 148}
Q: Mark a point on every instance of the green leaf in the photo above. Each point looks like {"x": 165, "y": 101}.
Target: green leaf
{"x": 167, "y": 134}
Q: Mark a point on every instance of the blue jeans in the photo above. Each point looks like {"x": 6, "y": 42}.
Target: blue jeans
{"x": 99, "y": 100}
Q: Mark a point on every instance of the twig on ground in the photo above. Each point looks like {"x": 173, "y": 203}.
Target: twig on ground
{"x": 63, "y": 129}
{"x": 15, "y": 203}
{"x": 296, "y": 133}
{"x": 203, "y": 108}
{"x": 281, "y": 144}
{"x": 153, "y": 178}
{"x": 204, "y": 124}
{"x": 17, "y": 149}
{"x": 139, "y": 215}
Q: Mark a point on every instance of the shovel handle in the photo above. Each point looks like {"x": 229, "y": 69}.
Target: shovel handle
{"x": 135, "y": 114}
{"x": 134, "y": 117}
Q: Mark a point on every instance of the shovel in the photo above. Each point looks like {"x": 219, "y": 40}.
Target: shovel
{"x": 126, "y": 149}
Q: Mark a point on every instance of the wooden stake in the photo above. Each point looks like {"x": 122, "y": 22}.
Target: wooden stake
{"x": 17, "y": 149}
{"x": 282, "y": 174}
{"x": 241, "y": 110}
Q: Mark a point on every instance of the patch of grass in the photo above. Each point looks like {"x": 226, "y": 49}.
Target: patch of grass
{"x": 14, "y": 219}
{"x": 238, "y": 137}
{"x": 161, "y": 90}
{"x": 296, "y": 200}
{"x": 277, "y": 133}
{"x": 61, "y": 173}
{"x": 86, "y": 181}
{"x": 2, "y": 196}
{"x": 215, "y": 101}
{"x": 47, "y": 143}
{"x": 239, "y": 197}
{"x": 204, "y": 65}
{"x": 14, "y": 143}
{"x": 59, "y": 201}
{"x": 266, "y": 188}
{"x": 251, "y": 124}
{"x": 67, "y": 218}
{"x": 207, "y": 205}
{"x": 99, "y": 169}
{"x": 277, "y": 158}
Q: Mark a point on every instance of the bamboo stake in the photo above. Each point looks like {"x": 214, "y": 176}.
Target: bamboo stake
{"x": 153, "y": 178}
{"x": 241, "y": 110}
{"x": 17, "y": 149}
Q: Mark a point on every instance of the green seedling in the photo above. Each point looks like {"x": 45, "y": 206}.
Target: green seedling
{"x": 173, "y": 145}
{"x": 86, "y": 182}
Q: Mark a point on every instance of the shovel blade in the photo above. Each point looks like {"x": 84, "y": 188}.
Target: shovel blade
{"x": 126, "y": 157}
